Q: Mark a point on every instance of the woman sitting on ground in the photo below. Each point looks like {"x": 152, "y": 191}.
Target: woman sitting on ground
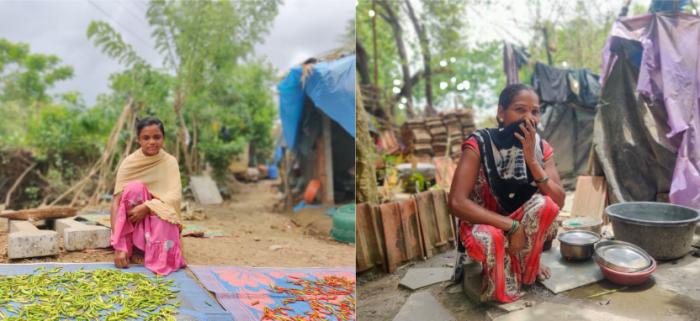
{"x": 502, "y": 225}
{"x": 145, "y": 212}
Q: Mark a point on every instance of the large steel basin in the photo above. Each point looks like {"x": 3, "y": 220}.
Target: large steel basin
{"x": 665, "y": 231}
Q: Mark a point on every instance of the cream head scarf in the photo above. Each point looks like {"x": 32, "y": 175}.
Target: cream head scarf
{"x": 161, "y": 175}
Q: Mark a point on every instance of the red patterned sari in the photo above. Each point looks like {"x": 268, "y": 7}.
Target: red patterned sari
{"x": 504, "y": 273}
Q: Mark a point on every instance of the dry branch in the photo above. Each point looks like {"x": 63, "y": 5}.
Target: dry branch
{"x": 17, "y": 182}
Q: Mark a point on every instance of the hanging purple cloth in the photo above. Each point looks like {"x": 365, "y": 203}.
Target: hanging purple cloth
{"x": 510, "y": 64}
{"x": 670, "y": 71}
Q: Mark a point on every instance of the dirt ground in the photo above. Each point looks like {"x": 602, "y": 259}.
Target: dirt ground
{"x": 247, "y": 215}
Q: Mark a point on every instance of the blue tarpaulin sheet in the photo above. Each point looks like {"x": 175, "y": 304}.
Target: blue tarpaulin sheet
{"x": 331, "y": 87}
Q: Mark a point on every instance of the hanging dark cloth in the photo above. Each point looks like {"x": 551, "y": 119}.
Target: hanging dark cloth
{"x": 550, "y": 83}
{"x": 510, "y": 65}
{"x": 583, "y": 88}
{"x": 514, "y": 58}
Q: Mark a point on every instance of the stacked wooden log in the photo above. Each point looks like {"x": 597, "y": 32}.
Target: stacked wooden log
{"x": 416, "y": 138}
{"x": 455, "y": 132}
{"x": 428, "y": 138}
{"x": 466, "y": 118}
{"x": 438, "y": 131}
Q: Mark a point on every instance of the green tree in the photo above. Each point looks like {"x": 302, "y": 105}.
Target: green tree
{"x": 24, "y": 79}
{"x": 201, "y": 41}
{"x": 444, "y": 30}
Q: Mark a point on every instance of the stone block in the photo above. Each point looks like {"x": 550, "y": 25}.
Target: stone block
{"x": 25, "y": 240}
{"x": 78, "y": 236}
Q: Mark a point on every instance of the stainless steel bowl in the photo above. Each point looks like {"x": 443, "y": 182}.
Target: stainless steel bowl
{"x": 623, "y": 256}
{"x": 577, "y": 245}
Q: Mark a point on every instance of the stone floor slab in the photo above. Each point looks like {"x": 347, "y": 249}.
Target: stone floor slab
{"x": 471, "y": 284}
{"x": 568, "y": 275}
{"x": 418, "y": 278}
{"x": 423, "y": 306}
{"x": 548, "y": 311}
{"x": 682, "y": 277}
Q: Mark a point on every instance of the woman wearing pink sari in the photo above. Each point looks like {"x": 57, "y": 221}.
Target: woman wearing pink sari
{"x": 145, "y": 212}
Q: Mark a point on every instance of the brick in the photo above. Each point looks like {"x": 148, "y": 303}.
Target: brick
{"x": 25, "y": 240}
{"x": 78, "y": 236}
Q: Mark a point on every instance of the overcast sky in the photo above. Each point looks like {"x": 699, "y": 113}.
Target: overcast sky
{"x": 302, "y": 29}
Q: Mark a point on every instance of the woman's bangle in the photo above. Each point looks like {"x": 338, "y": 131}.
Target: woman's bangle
{"x": 517, "y": 227}
{"x": 546, "y": 178}
{"x": 513, "y": 227}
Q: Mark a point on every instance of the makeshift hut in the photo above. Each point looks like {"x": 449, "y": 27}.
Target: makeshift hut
{"x": 646, "y": 129}
{"x": 317, "y": 109}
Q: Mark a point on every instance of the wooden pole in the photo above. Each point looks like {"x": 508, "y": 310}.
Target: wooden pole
{"x": 326, "y": 161}
{"x": 447, "y": 156}
{"x": 374, "y": 48}
{"x": 546, "y": 45}
{"x": 288, "y": 202}
{"x": 365, "y": 173}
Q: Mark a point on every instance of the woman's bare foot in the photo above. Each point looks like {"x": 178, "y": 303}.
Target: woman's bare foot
{"x": 137, "y": 258}
{"x": 544, "y": 272}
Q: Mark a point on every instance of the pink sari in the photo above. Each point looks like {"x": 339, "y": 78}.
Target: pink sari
{"x": 157, "y": 238}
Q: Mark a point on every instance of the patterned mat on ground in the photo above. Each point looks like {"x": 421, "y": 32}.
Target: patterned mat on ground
{"x": 280, "y": 294}
{"x": 101, "y": 219}
{"x": 201, "y": 231}
{"x": 195, "y": 303}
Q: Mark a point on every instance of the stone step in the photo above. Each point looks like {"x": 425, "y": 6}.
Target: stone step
{"x": 78, "y": 236}
{"x": 25, "y": 240}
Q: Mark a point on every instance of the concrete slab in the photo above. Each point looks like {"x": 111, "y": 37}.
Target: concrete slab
{"x": 78, "y": 236}
{"x": 422, "y": 306}
{"x": 568, "y": 275}
{"x": 548, "y": 311}
{"x": 471, "y": 285}
{"x": 26, "y": 240}
{"x": 418, "y": 278}
{"x": 205, "y": 190}
{"x": 472, "y": 281}
{"x": 682, "y": 278}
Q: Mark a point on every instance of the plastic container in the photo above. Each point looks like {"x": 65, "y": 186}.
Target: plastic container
{"x": 272, "y": 172}
{"x": 592, "y": 224}
{"x": 311, "y": 191}
{"x": 344, "y": 224}
{"x": 665, "y": 231}
{"x": 624, "y": 278}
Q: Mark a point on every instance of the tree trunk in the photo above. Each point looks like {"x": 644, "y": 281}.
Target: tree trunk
{"x": 393, "y": 21}
{"x": 362, "y": 63}
{"x": 366, "y": 177}
{"x": 183, "y": 133}
{"x": 425, "y": 49}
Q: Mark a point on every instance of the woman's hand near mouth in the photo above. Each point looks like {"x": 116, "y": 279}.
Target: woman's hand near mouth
{"x": 529, "y": 142}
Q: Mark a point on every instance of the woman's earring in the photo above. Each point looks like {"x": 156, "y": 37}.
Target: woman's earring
{"x": 501, "y": 119}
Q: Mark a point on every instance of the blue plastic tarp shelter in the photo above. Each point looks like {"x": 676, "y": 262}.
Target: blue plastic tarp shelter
{"x": 331, "y": 86}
